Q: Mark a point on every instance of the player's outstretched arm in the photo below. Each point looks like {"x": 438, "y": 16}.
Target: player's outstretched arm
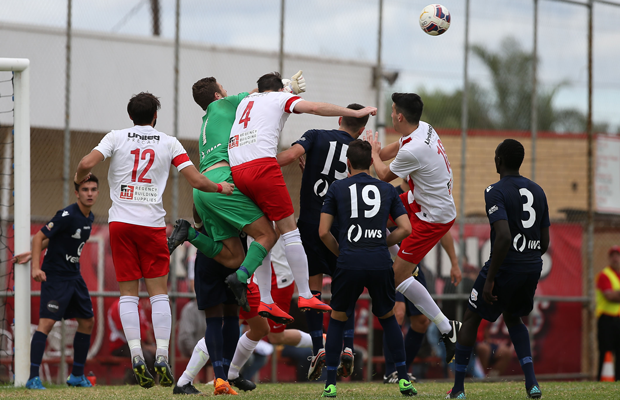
{"x": 501, "y": 245}
{"x": 26, "y": 256}
{"x": 37, "y": 246}
{"x": 447, "y": 242}
{"x": 403, "y": 229}
{"x": 332, "y": 110}
{"x": 204, "y": 184}
{"x": 382, "y": 170}
{"x": 87, "y": 163}
{"x": 288, "y": 156}
{"x": 326, "y": 235}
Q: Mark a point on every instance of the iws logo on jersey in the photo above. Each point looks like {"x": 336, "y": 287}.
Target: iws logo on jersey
{"x": 493, "y": 209}
{"x": 77, "y": 234}
{"x": 142, "y": 138}
{"x": 65, "y": 213}
{"x": 354, "y": 233}
{"x": 520, "y": 242}
{"x": 320, "y": 189}
{"x": 126, "y": 192}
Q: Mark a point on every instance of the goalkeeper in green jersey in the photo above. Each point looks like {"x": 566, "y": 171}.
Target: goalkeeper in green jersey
{"x": 223, "y": 217}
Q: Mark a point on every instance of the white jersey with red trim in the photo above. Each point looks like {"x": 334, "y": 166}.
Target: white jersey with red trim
{"x": 259, "y": 120}
{"x": 139, "y": 169}
{"x": 422, "y": 159}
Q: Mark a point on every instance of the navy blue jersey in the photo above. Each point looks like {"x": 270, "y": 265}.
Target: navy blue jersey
{"x": 68, "y": 231}
{"x": 326, "y": 162}
{"x": 523, "y": 204}
{"x": 362, "y": 205}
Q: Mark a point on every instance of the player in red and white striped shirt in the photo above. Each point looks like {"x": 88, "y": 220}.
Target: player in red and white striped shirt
{"x": 140, "y": 164}
{"x": 252, "y": 151}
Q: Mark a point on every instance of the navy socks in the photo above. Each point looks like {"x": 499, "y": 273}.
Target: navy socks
{"x": 37, "y": 347}
{"x": 315, "y": 327}
{"x": 461, "y": 361}
{"x": 393, "y": 337}
{"x": 215, "y": 343}
{"x": 333, "y": 348}
{"x": 521, "y": 340}
{"x": 230, "y": 333}
{"x": 81, "y": 344}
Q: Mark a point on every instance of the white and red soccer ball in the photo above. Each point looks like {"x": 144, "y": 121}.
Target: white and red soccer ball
{"x": 435, "y": 19}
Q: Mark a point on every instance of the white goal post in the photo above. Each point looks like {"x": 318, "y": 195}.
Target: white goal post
{"x": 21, "y": 178}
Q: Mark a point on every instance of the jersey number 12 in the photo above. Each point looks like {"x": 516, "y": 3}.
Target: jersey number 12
{"x": 149, "y": 164}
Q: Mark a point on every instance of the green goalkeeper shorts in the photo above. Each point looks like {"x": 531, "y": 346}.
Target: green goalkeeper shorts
{"x": 224, "y": 216}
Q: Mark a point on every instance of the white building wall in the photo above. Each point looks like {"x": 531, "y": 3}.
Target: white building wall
{"x": 107, "y": 69}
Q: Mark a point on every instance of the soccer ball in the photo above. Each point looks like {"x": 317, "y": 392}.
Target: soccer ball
{"x": 435, "y": 19}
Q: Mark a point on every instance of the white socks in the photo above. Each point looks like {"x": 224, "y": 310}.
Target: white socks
{"x": 419, "y": 296}
{"x": 305, "y": 341}
{"x": 244, "y": 350}
{"x": 199, "y": 359}
{"x": 297, "y": 260}
{"x": 263, "y": 279}
{"x": 130, "y": 319}
{"x": 162, "y": 322}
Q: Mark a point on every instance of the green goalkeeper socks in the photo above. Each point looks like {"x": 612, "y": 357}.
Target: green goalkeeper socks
{"x": 254, "y": 258}
{"x": 204, "y": 243}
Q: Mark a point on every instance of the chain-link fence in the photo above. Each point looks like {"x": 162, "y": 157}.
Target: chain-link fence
{"x": 119, "y": 48}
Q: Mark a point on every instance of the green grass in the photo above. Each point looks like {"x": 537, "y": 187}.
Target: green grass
{"x": 426, "y": 390}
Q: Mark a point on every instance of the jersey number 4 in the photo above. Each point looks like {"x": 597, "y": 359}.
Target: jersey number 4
{"x": 148, "y": 152}
{"x": 245, "y": 116}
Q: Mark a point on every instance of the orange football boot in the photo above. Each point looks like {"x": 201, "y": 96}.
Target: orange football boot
{"x": 313, "y": 304}
{"x": 223, "y": 387}
{"x": 274, "y": 313}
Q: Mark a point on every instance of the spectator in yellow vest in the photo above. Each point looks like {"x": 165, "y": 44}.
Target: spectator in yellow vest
{"x": 608, "y": 310}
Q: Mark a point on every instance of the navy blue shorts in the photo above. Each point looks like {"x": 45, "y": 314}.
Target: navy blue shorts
{"x": 65, "y": 298}
{"x": 410, "y": 309}
{"x": 209, "y": 283}
{"x": 320, "y": 259}
{"x": 515, "y": 295}
{"x": 348, "y": 285}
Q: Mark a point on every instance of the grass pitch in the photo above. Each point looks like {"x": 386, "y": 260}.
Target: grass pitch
{"x": 426, "y": 390}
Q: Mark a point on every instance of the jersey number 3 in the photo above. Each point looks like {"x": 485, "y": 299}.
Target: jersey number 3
{"x": 527, "y": 207}
{"x": 149, "y": 164}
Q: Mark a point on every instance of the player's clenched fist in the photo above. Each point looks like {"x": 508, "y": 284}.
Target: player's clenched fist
{"x": 226, "y": 188}
{"x": 38, "y": 275}
{"x": 295, "y": 85}
{"x": 365, "y": 111}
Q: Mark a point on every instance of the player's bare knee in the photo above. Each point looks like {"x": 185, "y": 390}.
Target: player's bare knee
{"x": 46, "y": 325}
{"x": 85, "y": 325}
{"x": 339, "y": 315}
{"x": 276, "y": 337}
{"x": 215, "y": 311}
{"x": 419, "y": 323}
{"x": 388, "y": 315}
{"x": 511, "y": 321}
{"x": 259, "y": 328}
